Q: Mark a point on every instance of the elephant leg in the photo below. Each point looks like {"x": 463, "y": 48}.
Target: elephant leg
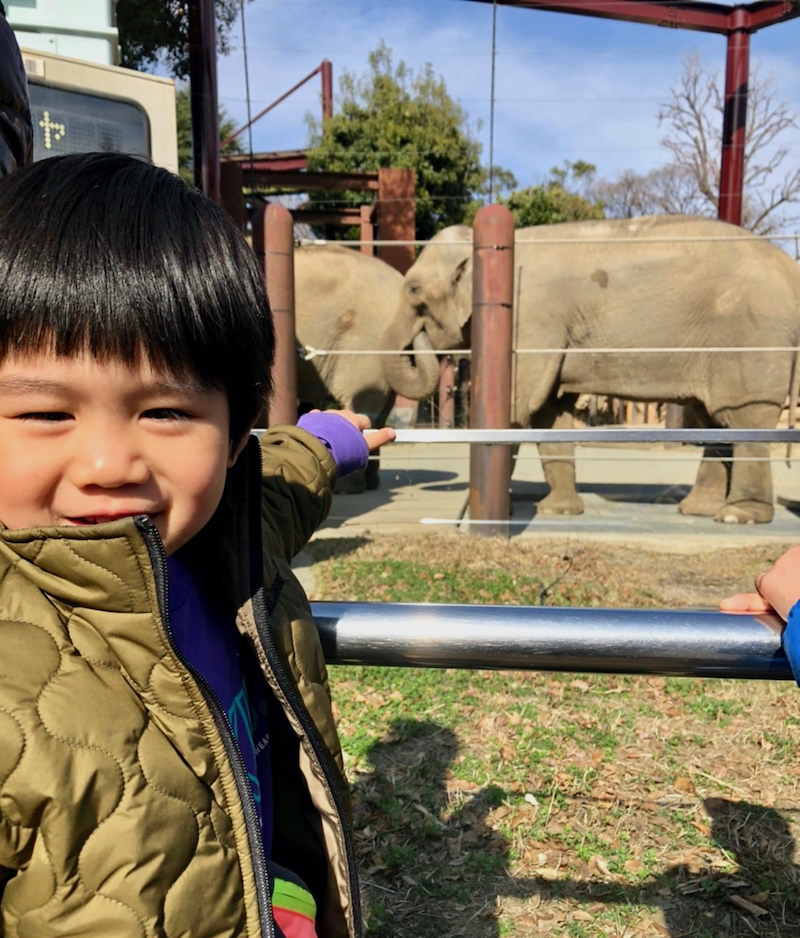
{"x": 558, "y": 461}
{"x": 750, "y": 499}
{"x": 711, "y": 485}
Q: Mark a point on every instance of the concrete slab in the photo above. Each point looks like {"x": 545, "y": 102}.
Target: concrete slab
{"x": 630, "y": 496}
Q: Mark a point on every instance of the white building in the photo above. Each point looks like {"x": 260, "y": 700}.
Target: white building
{"x": 80, "y": 29}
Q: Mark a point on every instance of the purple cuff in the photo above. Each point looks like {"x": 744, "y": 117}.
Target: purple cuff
{"x": 346, "y": 444}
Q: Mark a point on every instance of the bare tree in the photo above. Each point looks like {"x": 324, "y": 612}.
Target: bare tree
{"x": 693, "y": 115}
{"x": 669, "y": 190}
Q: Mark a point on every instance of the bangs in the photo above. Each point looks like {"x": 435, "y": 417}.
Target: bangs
{"x": 107, "y": 254}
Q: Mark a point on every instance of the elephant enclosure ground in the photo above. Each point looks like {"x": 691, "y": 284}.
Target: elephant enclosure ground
{"x": 493, "y": 804}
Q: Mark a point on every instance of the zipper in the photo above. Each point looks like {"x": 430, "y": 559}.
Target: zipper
{"x": 288, "y": 688}
{"x": 320, "y": 751}
{"x": 158, "y": 559}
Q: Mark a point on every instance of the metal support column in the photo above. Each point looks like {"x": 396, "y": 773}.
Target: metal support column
{"x": 273, "y": 240}
{"x": 734, "y": 126}
{"x": 203, "y": 85}
{"x": 327, "y": 91}
{"x": 447, "y": 393}
{"x": 492, "y": 295}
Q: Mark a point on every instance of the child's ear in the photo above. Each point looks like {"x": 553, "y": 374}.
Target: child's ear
{"x": 236, "y": 449}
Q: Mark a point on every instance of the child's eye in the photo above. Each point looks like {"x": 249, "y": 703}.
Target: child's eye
{"x": 49, "y": 416}
{"x": 166, "y": 413}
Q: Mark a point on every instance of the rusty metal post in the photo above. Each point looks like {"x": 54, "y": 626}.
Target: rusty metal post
{"x": 367, "y": 230}
{"x": 231, "y": 195}
{"x": 447, "y": 393}
{"x": 203, "y": 92}
{"x": 396, "y": 216}
{"x": 273, "y": 241}
{"x": 734, "y": 126}
{"x": 327, "y": 91}
{"x": 492, "y": 316}
{"x": 396, "y": 221}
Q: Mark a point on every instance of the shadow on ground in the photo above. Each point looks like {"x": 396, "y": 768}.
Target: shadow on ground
{"x": 435, "y": 863}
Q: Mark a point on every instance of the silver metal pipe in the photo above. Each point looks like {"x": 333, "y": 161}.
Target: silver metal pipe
{"x": 593, "y": 435}
{"x": 686, "y": 643}
{"x": 598, "y": 435}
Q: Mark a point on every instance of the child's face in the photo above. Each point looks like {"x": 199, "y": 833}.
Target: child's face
{"x": 84, "y": 441}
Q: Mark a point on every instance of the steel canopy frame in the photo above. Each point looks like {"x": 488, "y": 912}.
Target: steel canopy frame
{"x": 735, "y": 22}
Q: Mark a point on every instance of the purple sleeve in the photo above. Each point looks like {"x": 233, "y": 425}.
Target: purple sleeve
{"x": 347, "y": 444}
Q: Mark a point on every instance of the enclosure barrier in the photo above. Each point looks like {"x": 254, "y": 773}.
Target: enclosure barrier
{"x": 492, "y": 328}
{"x": 685, "y": 643}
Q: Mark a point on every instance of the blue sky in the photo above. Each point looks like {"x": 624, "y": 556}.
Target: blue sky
{"x": 567, "y": 87}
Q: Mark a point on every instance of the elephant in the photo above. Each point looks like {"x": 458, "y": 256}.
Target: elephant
{"x": 347, "y": 301}
{"x": 646, "y": 283}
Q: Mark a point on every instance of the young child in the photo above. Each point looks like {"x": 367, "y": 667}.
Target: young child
{"x": 777, "y": 590}
{"x": 169, "y": 763}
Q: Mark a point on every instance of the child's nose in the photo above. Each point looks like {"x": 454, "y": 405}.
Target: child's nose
{"x": 108, "y": 460}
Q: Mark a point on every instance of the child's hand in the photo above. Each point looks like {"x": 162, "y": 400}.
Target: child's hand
{"x": 778, "y": 588}
{"x": 374, "y": 438}
{"x": 745, "y": 602}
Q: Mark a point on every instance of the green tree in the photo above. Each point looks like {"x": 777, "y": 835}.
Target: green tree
{"x": 561, "y": 197}
{"x": 183, "y": 115}
{"x": 153, "y": 31}
{"x": 392, "y": 116}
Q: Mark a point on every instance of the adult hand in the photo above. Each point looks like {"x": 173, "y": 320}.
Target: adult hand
{"x": 778, "y": 588}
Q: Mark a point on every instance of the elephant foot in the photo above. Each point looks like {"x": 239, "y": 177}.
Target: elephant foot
{"x": 354, "y": 484}
{"x": 560, "y": 503}
{"x": 700, "y": 502}
{"x": 745, "y": 512}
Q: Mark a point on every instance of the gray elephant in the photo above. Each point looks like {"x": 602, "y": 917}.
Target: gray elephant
{"x": 344, "y": 302}
{"x": 635, "y": 284}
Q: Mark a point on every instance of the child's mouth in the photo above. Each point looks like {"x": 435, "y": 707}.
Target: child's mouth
{"x": 104, "y": 519}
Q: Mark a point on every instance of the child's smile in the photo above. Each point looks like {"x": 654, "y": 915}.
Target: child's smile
{"x": 84, "y": 441}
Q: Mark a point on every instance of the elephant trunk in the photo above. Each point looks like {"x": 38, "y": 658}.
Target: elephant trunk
{"x": 416, "y": 379}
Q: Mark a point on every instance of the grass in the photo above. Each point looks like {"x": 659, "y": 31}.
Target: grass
{"x": 509, "y": 804}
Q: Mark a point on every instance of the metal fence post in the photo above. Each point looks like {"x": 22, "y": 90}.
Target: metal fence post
{"x": 447, "y": 393}
{"x": 492, "y": 314}
{"x": 273, "y": 240}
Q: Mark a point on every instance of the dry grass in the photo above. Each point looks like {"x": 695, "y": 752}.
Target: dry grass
{"x": 494, "y": 804}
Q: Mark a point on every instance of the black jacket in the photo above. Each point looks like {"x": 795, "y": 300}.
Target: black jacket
{"x": 16, "y": 129}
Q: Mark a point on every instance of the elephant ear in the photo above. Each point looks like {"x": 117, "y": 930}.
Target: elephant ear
{"x": 461, "y": 266}
{"x": 461, "y": 286}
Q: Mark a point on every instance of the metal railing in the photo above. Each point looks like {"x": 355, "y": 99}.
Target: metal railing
{"x": 686, "y": 643}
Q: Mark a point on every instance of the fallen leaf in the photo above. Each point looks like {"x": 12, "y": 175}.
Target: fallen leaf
{"x": 759, "y": 897}
{"x": 683, "y": 783}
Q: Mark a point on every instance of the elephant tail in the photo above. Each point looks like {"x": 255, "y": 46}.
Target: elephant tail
{"x": 792, "y": 406}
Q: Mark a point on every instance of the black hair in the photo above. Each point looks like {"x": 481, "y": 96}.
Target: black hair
{"x": 105, "y": 253}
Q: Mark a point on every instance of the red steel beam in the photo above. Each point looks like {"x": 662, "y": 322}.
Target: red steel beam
{"x": 346, "y": 216}
{"x": 326, "y": 70}
{"x": 360, "y": 182}
{"x": 283, "y": 97}
{"x": 704, "y": 17}
{"x": 279, "y": 160}
{"x": 734, "y": 123}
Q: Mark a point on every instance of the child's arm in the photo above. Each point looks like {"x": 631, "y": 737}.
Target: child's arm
{"x": 299, "y": 469}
